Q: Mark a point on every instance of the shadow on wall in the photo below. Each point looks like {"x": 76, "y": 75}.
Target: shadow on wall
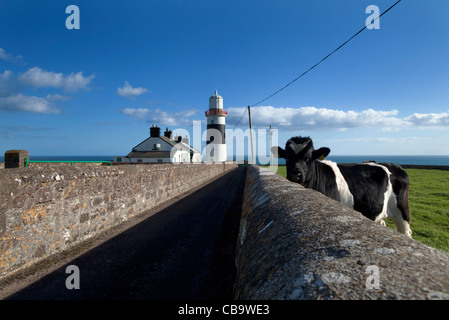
{"x": 184, "y": 251}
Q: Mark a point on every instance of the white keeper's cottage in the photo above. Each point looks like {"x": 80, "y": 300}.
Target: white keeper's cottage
{"x": 162, "y": 149}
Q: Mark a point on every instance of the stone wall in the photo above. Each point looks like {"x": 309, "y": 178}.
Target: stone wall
{"x": 47, "y": 209}
{"x": 295, "y": 243}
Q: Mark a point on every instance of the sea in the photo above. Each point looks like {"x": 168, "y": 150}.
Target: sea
{"x": 402, "y": 160}
{"x": 67, "y": 158}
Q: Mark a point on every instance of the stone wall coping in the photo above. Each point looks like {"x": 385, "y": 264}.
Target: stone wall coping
{"x": 296, "y": 243}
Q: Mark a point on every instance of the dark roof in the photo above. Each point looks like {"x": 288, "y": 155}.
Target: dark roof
{"x": 152, "y": 154}
{"x": 149, "y": 154}
{"x": 168, "y": 140}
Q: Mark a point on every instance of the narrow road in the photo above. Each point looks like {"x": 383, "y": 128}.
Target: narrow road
{"x": 185, "y": 251}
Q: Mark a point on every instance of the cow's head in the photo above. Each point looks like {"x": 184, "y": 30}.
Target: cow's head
{"x": 300, "y": 154}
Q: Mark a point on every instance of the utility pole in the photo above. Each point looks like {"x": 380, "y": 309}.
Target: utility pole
{"x": 271, "y": 154}
{"x": 251, "y": 133}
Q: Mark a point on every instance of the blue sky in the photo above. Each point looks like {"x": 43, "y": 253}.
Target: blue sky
{"x": 97, "y": 90}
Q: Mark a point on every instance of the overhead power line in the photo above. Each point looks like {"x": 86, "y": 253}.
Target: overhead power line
{"x": 315, "y": 65}
{"x": 241, "y": 117}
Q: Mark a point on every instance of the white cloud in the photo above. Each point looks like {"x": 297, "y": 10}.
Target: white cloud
{"x": 128, "y": 91}
{"x": 8, "y": 84}
{"x": 171, "y": 119}
{"x": 429, "y": 119}
{"x": 39, "y": 78}
{"x": 75, "y": 81}
{"x": 4, "y": 55}
{"x": 159, "y": 116}
{"x": 56, "y": 97}
{"x": 319, "y": 119}
{"x": 10, "y": 57}
{"x": 309, "y": 119}
{"x": 139, "y": 113}
{"x": 5, "y": 76}
{"x": 11, "y": 99}
{"x": 20, "y": 102}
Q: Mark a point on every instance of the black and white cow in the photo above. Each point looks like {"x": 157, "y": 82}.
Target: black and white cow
{"x": 377, "y": 190}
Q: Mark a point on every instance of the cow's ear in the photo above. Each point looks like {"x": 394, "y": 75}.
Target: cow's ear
{"x": 278, "y": 152}
{"x": 321, "y": 153}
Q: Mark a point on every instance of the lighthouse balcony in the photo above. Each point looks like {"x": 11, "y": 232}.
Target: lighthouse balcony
{"x": 216, "y": 112}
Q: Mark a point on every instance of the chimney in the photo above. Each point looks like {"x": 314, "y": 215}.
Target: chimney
{"x": 168, "y": 133}
{"x": 155, "y": 131}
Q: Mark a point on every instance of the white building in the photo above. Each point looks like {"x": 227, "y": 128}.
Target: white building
{"x": 216, "y": 143}
{"x": 162, "y": 149}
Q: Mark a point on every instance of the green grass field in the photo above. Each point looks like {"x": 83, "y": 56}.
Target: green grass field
{"x": 429, "y": 206}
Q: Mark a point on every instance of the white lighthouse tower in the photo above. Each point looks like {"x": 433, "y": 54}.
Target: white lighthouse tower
{"x": 215, "y": 143}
